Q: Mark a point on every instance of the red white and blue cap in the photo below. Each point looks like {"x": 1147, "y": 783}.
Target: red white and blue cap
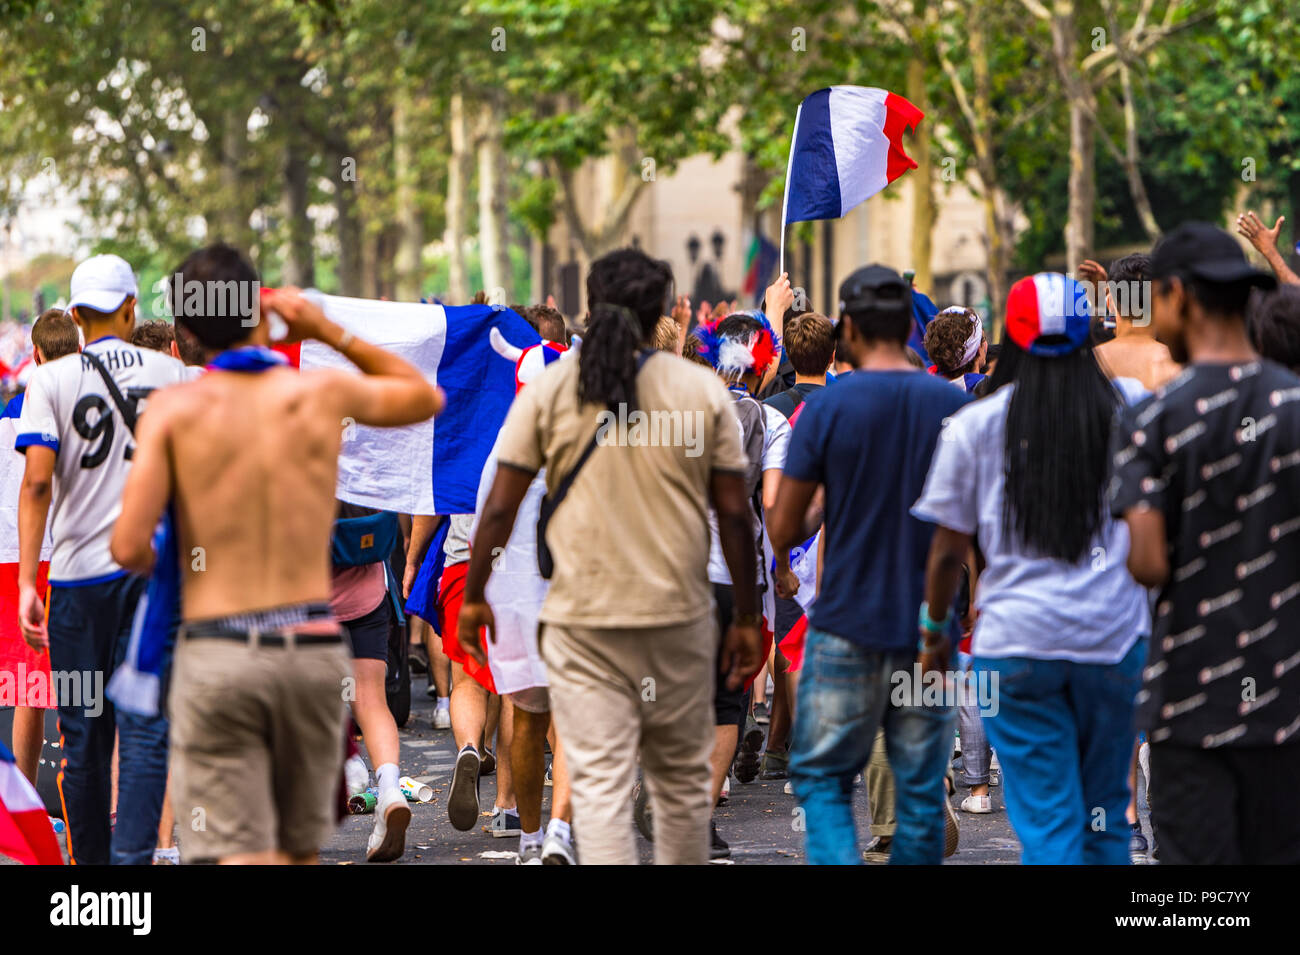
{"x": 1048, "y": 314}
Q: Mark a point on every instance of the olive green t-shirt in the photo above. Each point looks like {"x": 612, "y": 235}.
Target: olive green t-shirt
{"x": 631, "y": 540}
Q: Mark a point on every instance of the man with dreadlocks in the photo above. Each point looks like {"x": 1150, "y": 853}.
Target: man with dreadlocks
{"x": 628, "y": 633}
{"x": 740, "y": 348}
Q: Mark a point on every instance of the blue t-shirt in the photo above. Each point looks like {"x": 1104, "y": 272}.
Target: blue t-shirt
{"x": 869, "y": 440}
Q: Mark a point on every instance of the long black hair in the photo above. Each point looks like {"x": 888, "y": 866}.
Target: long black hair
{"x": 1057, "y": 450}
{"x": 626, "y": 295}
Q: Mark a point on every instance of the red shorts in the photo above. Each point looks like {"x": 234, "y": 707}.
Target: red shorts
{"x": 16, "y": 657}
{"x": 451, "y": 594}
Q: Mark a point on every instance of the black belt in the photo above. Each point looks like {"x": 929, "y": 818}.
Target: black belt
{"x": 266, "y": 638}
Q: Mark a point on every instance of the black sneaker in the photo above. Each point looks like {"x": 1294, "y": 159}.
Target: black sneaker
{"x": 751, "y": 743}
{"x": 1137, "y": 846}
{"x": 462, "y": 800}
{"x": 489, "y": 762}
{"x": 718, "y": 849}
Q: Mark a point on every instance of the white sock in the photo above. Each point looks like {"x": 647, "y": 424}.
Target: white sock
{"x": 527, "y": 839}
{"x": 558, "y": 827}
{"x": 386, "y": 776}
{"x": 444, "y": 703}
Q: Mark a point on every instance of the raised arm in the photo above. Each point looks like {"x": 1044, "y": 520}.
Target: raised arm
{"x": 1264, "y": 240}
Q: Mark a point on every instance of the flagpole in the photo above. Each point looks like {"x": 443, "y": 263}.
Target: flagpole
{"x": 785, "y": 199}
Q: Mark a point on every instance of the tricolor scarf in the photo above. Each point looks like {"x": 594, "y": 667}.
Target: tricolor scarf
{"x": 136, "y": 685}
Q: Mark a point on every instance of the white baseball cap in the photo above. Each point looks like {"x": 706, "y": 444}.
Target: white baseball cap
{"x": 102, "y": 282}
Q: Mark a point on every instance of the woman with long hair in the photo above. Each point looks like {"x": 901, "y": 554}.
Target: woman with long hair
{"x": 1058, "y": 644}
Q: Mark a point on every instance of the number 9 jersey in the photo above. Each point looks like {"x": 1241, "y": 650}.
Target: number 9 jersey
{"x": 68, "y": 408}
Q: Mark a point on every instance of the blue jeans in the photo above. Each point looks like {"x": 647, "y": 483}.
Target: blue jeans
{"x": 90, "y": 627}
{"x": 844, "y": 695}
{"x": 1064, "y": 734}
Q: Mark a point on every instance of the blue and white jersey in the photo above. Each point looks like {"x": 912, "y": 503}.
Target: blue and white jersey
{"x": 68, "y": 408}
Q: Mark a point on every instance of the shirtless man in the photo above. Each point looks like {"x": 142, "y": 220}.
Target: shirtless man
{"x": 248, "y": 456}
{"x": 1133, "y": 352}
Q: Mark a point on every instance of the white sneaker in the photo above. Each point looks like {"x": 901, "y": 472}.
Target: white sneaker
{"x": 170, "y": 856}
{"x": 392, "y": 816}
{"x": 356, "y": 775}
{"x": 977, "y": 804}
{"x": 789, "y": 789}
{"x": 441, "y": 718}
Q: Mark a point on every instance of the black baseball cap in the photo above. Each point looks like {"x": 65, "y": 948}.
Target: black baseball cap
{"x": 874, "y": 288}
{"x": 1200, "y": 250}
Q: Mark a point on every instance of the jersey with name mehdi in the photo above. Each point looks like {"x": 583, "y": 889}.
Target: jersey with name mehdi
{"x": 70, "y": 409}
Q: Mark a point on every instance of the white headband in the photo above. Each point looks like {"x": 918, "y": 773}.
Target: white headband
{"x": 976, "y": 336}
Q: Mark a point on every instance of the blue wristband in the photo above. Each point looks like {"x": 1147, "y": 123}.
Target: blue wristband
{"x": 927, "y": 622}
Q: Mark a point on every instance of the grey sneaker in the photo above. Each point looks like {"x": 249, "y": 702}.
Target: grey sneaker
{"x": 556, "y": 850}
{"x": 462, "y": 800}
{"x": 530, "y": 856}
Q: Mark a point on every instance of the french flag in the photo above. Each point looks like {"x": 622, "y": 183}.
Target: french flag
{"x": 848, "y": 145}
{"x": 432, "y": 467}
{"x": 25, "y": 831}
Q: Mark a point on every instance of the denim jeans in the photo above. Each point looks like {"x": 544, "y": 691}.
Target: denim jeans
{"x": 976, "y": 754}
{"x": 844, "y": 695}
{"x": 1064, "y": 735}
{"x": 90, "y": 627}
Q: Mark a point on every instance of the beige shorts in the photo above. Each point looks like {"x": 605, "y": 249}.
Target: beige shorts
{"x": 256, "y": 746}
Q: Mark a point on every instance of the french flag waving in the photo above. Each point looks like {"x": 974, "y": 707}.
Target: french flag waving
{"x": 848, "y": 145}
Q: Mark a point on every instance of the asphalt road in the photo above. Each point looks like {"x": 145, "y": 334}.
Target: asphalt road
{"x": 757, "y": 821}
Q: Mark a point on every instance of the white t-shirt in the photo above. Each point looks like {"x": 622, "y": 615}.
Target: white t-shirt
{"x": 776, "y": 439}
{"x": 1037, "y": 607}
{"x": 68, "y": 408}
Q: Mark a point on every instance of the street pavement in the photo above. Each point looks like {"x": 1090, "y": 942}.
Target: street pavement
{"x": 758, "y": 820}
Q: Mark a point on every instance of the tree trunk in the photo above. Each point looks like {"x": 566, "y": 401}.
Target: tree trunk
{"x": 923, "y": 210}
{"x": 458, "y": 175}
{"x": 1132, "y": 169}
{"x": 1079, "y": 229}
{"x": 348, "y": 229}
{"x": 234, "y": 210}
{"x": 407, "y": 258}
{"x": 299, "y": 262}
{"x": 996, "y": 221}
{"x": 493, "y": 235}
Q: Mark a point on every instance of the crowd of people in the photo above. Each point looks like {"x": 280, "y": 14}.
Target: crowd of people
{"x": 1075, "y": 553}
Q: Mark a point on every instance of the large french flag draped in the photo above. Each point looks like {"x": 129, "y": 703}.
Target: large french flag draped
{"x": 431, "y": 467}
{"x": 26, "y": 835}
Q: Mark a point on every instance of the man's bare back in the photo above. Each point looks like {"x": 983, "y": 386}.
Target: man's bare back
{"x": 1140, "y": 357}
{"x": 255, "y": 459}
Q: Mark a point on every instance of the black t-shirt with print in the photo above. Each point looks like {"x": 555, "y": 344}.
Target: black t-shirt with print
{"x": 1217, "y": 451}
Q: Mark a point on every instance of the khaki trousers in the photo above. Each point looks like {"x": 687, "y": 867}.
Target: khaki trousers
{"x": 614, "y": 692}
